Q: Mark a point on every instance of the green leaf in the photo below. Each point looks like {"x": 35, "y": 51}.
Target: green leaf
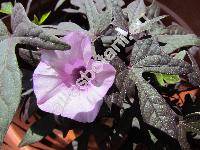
{"x": 6, "y": 8}
{"x": 174, "y": 42}
{"x": 171, "y": 79}
{"x": 159, "y": 78}
{"x": 38, "y": 131}
{"x": 31, "y": 34}
{"x": 167, "y": 78}
{"x": 44, "y": 17}
{"x": 36, "y": 20}
{"x": 10, "y": 84}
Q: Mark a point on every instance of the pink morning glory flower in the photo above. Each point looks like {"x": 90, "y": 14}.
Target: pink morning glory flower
{"x": 55, "y": 80}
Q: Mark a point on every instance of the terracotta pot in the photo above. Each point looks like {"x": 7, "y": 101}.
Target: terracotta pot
{"x": 183, "y": 12}
{"x": 166, "y": 9}
{"x": 18, "y": 128}
{"x": 187, "y": 10}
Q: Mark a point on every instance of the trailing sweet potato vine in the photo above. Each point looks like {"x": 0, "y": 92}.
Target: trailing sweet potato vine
{"x": 154, "y": 54}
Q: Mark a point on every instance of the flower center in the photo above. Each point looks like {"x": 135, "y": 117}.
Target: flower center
{"x": 76, "y": 73}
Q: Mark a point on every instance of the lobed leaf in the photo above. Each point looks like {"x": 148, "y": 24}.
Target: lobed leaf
{"x": 98, "y": 21}
{"x": 190, "y": 123}
{"x": 119, "y": 19}
{"x": 192, "y": 117}
{"x": 62, "y": 28}
{"x": 79, "y": 4}
{"x": 191, "y": 126}
{"x": 139, "y": 27}
{"x": 176, "y": 29}
{"x": 32, "y": 34}
{"x": 135, "y": 11}
{"x": 147, "y": 56}
{"x": 182, "y": 137}
{"x": 29, "y": 56}
{"x": 174, "y": 42}
{"x": 194, "y": 77}
{"x": 155, "y": 111}
{"x": 157, "y": 29}
{"x": 100, "y": 5}
{"x": 153, "y": 10}
{"x": 10, "y": 84}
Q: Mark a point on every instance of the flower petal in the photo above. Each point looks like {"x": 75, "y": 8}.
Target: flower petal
{"x": 105, "y": 71}
{"x": 81, "y": 106}
{"x": 80, "y": 50}
{"x": 88, "y": 102}
{"x": 45, "y": 75}
{"x": 54, "y": 75}
{"x": 70, "y": 102}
